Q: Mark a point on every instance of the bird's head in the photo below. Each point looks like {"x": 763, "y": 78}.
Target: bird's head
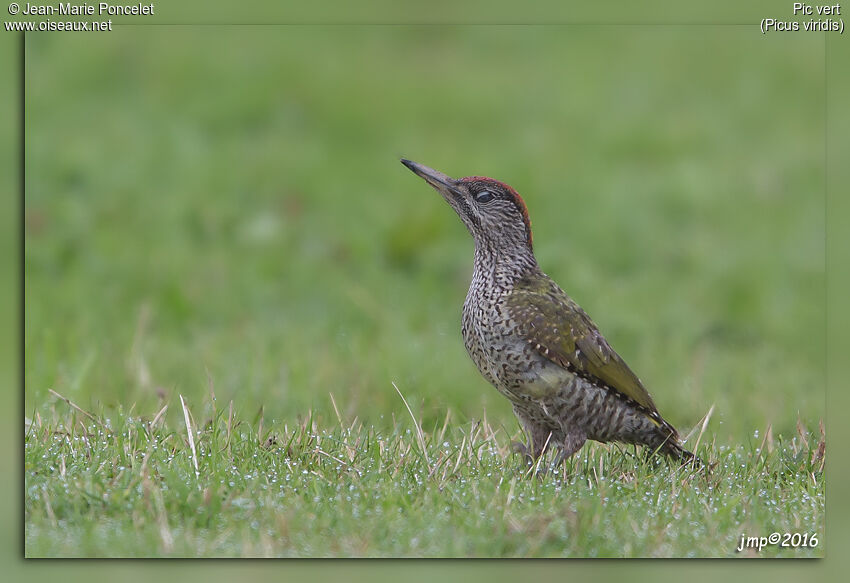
{"x": 494, "y": 213}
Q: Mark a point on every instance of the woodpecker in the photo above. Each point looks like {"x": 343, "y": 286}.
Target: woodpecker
{"x": 533, "y": 343}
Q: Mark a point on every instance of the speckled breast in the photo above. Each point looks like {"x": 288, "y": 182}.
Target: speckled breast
{"x": 504, "y": 358}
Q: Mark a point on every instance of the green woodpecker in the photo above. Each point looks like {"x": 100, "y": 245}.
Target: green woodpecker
{"x": 534, "y": 343}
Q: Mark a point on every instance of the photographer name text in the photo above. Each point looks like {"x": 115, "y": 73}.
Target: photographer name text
{"x": 99, "y": 9}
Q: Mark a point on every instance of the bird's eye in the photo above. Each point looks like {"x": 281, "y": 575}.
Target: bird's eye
{"x": 484, "y": 196}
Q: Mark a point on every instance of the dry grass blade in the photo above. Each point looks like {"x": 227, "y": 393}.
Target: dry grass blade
{"x": 165, "y": 535}
{"x": 261, "y": 414}
{"x": 767, "y": 433}
{"x": 703, "y": 426}
{"x": 419, "y": 436}
{"x": 191, "y": 437}
{"x": 159, "y": 415}
{"x": 769, "y": 439}
{"x": 801, "y": 431}
{"x": 819, "y": 453}
{"x": 510, "y": 497}
{"x": 445, "y": 425}
{"x": 80, "y": 409}
{"x": 536, "y": 467}
{"x": 229, "y": 423}
{"x": 336, "y": 410}
{"x": 459, "y": 455}
{"x": 334, "y": 458}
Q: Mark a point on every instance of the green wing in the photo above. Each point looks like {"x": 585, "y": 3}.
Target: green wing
{"x": 551, "y": 321}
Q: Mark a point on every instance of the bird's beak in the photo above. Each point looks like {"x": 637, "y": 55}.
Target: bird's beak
{"x": 445, "y": 185}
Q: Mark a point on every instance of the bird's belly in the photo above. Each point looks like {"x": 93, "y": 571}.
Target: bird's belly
{"x": 526, "y": 374}
{"x": 546, "y": 381}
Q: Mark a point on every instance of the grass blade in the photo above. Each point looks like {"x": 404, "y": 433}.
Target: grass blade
{"x": 419, "y": 436}
{"x": 191, "y": 437}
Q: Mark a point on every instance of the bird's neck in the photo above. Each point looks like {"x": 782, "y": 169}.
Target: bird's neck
{"x": 501, "y": 267}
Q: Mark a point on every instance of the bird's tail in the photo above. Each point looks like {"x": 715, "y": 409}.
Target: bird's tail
{"x": 665, "y": 440}
{"x": 672, "y": 448}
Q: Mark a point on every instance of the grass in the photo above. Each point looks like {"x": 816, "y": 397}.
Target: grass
{"x": 131, "y": 485}
{"x": 200, "y": 220}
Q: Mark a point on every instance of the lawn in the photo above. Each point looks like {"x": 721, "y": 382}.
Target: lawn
{"x": 227, "y": 271}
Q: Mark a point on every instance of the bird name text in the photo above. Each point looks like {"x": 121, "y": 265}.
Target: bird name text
{"x": 807, "y": 18}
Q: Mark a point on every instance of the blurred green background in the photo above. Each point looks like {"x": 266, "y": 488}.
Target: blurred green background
{"x": 225, "y": 206}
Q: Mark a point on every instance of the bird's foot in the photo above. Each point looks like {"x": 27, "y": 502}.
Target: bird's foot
{"x": 520, "y": 448}
{"x": 536, "y": 464}
{"x": 559, "y": 459}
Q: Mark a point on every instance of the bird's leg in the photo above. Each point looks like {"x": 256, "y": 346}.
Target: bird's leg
{"x": 575, "y": 438}
{"x": 539, "y": 436}
{"x": 520, "y": 448}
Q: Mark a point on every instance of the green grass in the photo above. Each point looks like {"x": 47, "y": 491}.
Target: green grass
{"x": 222, "y": 209}
{"x": 128, "y": 486}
